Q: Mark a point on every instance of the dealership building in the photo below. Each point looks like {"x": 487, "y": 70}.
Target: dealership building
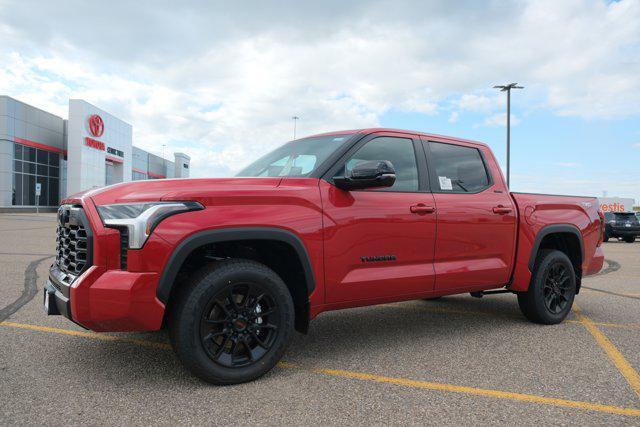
{"x": 55, "y": 157}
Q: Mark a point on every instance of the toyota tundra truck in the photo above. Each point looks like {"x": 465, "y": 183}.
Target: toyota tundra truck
{"x": 232, "y": 266}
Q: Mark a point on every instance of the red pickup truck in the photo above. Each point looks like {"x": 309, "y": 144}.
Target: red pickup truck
{"x": 232, "y": 266}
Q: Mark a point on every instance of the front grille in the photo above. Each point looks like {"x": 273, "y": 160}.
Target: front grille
{"x": 73, "y": 241}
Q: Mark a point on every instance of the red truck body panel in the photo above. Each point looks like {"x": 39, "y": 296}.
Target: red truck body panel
{"x": 469, "y": 242}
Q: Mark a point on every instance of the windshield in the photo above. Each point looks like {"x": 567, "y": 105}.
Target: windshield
{"x": 296, "y": 158}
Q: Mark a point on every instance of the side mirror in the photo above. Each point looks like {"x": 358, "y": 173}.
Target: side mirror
{"x": 369, "y": 174}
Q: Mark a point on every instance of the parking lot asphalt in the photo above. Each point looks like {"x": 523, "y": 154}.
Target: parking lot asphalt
{"x": 458, "y": 360}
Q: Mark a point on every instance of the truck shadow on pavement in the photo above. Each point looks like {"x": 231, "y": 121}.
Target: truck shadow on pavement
{"x": 347, "y": 334}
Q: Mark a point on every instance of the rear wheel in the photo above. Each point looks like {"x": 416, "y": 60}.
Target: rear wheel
{"x": 630, "y": 239}
{"x": 552, "y": 289}
{"x": 605, "y": 237}
{"x": 232, "y": 322}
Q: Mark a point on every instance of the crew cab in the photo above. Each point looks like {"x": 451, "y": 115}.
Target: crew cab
{"x": 231, "y": 266}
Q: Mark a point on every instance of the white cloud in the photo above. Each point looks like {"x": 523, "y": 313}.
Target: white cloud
{"x": 500, "y": 119}
{"x": 221, "y": 82}
{"x": 479, "y": 103}
{"x": 636, "y": 145}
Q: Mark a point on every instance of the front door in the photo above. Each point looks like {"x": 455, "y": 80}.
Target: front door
{"x": 379, "y": 243}
{"x": 475, "y": 246}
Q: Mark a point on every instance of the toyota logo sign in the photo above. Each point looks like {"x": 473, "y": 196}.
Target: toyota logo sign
{"x": 96, "y": 125}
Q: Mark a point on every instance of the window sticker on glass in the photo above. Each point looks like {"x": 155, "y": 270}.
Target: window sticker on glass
{"x": 339, "y": 138}
{"x": 445, "y": 183}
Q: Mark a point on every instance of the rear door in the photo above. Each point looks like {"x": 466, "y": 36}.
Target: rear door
{"x": 475, "y": 244}
{"x": 379, "y": 243}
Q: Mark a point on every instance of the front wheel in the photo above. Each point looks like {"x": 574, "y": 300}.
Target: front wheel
{"x": 552, "y": 289}
{"x": 232, "y": 322}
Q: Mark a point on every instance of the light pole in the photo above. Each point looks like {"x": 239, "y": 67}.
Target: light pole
{"x": 507, "y": 88}
{"x": 295, "y": 120}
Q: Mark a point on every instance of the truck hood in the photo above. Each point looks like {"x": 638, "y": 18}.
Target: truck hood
{"x": 190, "y": 189}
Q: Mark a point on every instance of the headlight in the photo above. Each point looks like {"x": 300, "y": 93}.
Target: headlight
{"x": 141, "y": 218}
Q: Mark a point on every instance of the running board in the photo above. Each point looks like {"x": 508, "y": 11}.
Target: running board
{"x": 480, "y": 294}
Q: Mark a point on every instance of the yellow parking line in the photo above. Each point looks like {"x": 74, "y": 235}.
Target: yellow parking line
{"x": 522, "y": 397}
{"x": 612, "y": 351}
{"x": 427, "y": 385}
{"x": 93, "y": 335}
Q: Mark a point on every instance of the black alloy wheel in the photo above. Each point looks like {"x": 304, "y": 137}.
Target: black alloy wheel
{"x": 552, "y": 288}
{"x": 231, "y": 321}
{"x": 557, "y": 288}
{"x": 239, "y": 325}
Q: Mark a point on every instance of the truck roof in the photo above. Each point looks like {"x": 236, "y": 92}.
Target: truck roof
{"x": 412, "y": 132}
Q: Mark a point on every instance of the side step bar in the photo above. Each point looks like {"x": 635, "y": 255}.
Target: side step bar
{"x": 480, "y": 294}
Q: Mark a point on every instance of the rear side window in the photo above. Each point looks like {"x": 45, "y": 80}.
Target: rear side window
{"x": 458, "y": 169}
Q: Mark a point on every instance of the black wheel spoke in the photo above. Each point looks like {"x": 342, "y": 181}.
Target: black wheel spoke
{"x": 215, "y": 321}
{"x": 222, "y": 347}
{"x": 212, "y": 335}
{"x": 250, "y": 353}
{"x": 234, "y": 348}
{"x": 265, "y": 313}
{"x": 266, "y": 326}
{"x": 224, "y": 309}
{"x": 259, "y": 341}
{"x": 548, "y": 299}
{"x": 232, "y": 300}
{"x": 256, "y": 301}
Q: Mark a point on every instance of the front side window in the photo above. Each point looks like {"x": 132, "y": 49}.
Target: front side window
{"x": 297, "y": 158}
{"x": 458, "y": 169}
{"x": 399, "y": 151}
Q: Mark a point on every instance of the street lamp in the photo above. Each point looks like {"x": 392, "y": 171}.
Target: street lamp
{"x": 295, "y": 120}
{"x": 507, "y": 88}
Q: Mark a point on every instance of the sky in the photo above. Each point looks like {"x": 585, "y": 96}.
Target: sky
{"x": 222, "y": 80}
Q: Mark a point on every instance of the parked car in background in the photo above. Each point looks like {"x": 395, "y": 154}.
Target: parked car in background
{"x": 621, "y": 225}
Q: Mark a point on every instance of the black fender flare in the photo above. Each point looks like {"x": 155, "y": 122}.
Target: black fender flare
{"x": 189, "y": 244}
{"x": 554, "y": 229}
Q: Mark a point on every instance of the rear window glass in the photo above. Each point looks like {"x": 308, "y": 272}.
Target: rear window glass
{"x": 459, "y": 169}
{"x": 625, "y": 216}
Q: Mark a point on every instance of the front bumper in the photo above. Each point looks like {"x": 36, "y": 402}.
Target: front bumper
{"x": 106, "y": 301}
{"x": 56, "y": 298}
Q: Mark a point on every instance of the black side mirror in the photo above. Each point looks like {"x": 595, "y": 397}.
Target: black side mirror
{"x": 369, "y": 174}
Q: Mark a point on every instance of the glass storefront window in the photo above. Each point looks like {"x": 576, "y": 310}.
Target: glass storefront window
{"x": 33, "y": 165}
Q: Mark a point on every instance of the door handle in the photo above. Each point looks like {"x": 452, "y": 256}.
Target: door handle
{"x": 421, "y": 208}
{"x": 501, "y": 210}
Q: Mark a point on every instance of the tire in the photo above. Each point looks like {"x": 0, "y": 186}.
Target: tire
{"x": 630, "y": 239}
{"x": 232, "y": 321}
{"x": 605, "y": 238}
{"x": 552, "y": 289}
